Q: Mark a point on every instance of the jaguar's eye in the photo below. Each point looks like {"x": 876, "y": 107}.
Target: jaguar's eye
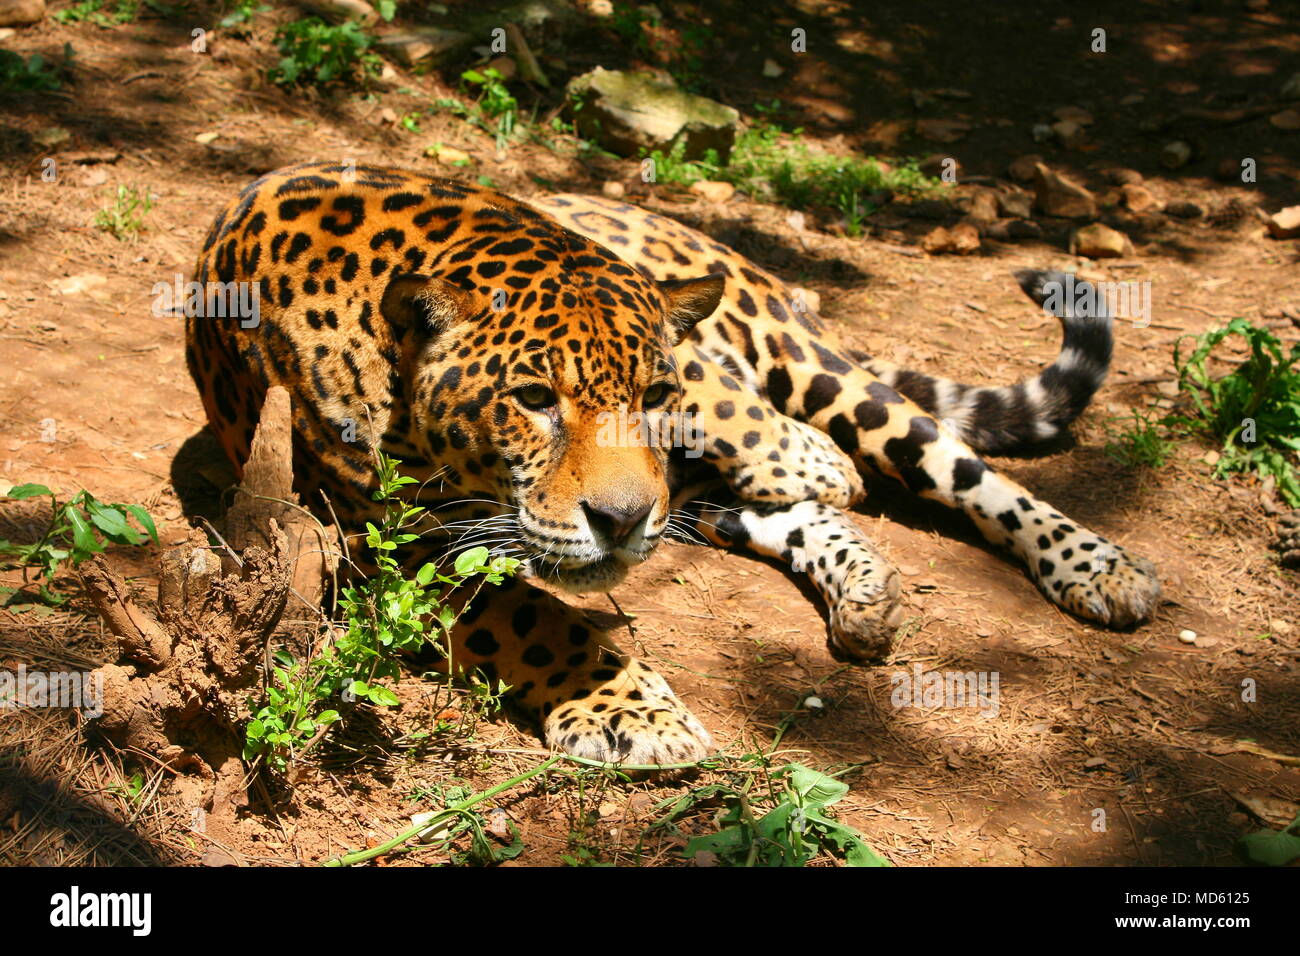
{"x": 535, "y": 397}
{"x": 656, "y": 395}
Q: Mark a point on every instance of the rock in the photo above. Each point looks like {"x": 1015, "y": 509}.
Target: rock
{"x": 1022, "y": 168}
{"x": 939, "y": 165}
{"x": 1056, "y": 195}
{"x": 1284, "y": 224}
{"x": 612, "y": 189}
{"x": 772, "y": 69}
{"x": 387, "y": 116}
{"x": 78, "y": 284}
{"x": 962, "y": 238}
{"x": 51, "y": 136}
{"x": 630, "y": 112}
{"x": 1291, "y": 88}
{"x": 983, "y": 206}
{"x": 1124, "y": 177}
{"x": 941, "y": 130}
{"x": 929, "y": 209}
{"x": 1099, "y": 241}
{"x": 1073, "y": 114}
{"x": 20, "y": 13}
{"x": 597, "y": 8}
{"x": 1024, "y": 229}
{"x": 717, "y": 192}
{"x": 340, "y": 10}
{"x": 505, "y": 65}
{"x": 1042, "y": 133}
{"x": 1187, "y": 636}
{"x": 1015, "y": 204}
{"x": 1137, "y": 198}
{"x": 1287, "y": 119}
{"x": 434, "y": 44}
{"x": 1228, "y": 170}
{"x": 1184, "y": 210}
{"x": 450, "y": 156}
{"x": 1072, "y": 135}
{"x": 1175, "y": 154}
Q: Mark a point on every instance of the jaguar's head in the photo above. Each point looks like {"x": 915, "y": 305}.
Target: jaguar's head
{"x": 550, "y": 388}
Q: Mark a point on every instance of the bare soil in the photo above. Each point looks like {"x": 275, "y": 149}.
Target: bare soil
{"x": 94, "y": 394}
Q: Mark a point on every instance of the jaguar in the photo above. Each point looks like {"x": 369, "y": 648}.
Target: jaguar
{"x": 484, "y": 341}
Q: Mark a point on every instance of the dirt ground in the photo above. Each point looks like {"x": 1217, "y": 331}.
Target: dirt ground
{"x": 94, "y": 394}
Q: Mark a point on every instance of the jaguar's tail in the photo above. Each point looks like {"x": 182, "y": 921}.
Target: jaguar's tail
{"x": 1001, "y": 419}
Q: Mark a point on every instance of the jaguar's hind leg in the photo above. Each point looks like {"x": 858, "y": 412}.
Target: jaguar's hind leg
{"x": 860, "y": 587}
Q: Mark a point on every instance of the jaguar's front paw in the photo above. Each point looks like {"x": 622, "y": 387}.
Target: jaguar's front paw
{"x": 865, "y": 620}
{"x": 1103, "y": 583}
{"x": 632, "y": 718}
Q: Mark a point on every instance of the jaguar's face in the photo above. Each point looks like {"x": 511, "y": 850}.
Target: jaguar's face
{"x": 558, "y": 405}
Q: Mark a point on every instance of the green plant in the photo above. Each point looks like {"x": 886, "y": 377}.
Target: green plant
{"x": 321, "y": 53}
{"x": 1254, "y": 410}
{"x": 1142, "y": 443}
{"x": 772, "y": 818}
{"x": 1273, "y": 847}
{"x": 243, "y": 11}
{"x": 385, "y": 617}
{"x": 496, "y": 110}
{"x": 125, "y": 217}
{"x": 92, "y": 11}
{"x": 772, "y": 164}
{"x": 32, "y": 73}
{"x": 76, "y": 530}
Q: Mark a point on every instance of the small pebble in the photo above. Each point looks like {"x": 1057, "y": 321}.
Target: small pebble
{"x": 813, "y": 703}
{"x": 1187, "y": 636}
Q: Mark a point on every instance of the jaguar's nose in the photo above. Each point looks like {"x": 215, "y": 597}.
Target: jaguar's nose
{"x": 613, "y": 525}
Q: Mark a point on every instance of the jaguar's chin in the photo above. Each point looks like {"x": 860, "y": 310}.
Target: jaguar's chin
{"x": 602, "y": 575}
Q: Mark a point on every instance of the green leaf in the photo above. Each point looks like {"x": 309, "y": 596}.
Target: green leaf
{"x": 145, "y": 520}
{"x": 83, "y": 538}
{"x": 1272, "y": 847}
{"x": 815, "y": 789}
{"x": 113, "y": 523}
{"x": 383, "y": 696}
{"x": 29, "y": 491}
{"x": 469, "y": 561}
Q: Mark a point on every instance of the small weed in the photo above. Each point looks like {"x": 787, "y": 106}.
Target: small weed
{"x": 125, "y": 217}
{"x": 77, "y": 529}
{"x": 773, "y": 818}
{"x": 385, "y": 617}
{"x": 243, "y": 11}
{"x": 772, "y": 164}
{"x": 496, "y": 110}
{"x": 1273, "y": 847}
{"x": 93, "y": 11}
{"x": 1141, "y": 443}
{"x": 32, "y": 73}
{"x": 1253, "y": 410}
{"x": 320, "y": 53}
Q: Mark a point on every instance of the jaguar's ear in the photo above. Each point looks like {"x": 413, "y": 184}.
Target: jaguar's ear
{"x": 690, "y": 301}
{"x": 429, "y": 305}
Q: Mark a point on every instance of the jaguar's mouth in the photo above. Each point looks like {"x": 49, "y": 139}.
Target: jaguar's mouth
{"x": 603, "y": 574}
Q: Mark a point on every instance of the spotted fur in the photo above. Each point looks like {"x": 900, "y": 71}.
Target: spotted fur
{"x": 480, "y": 340}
